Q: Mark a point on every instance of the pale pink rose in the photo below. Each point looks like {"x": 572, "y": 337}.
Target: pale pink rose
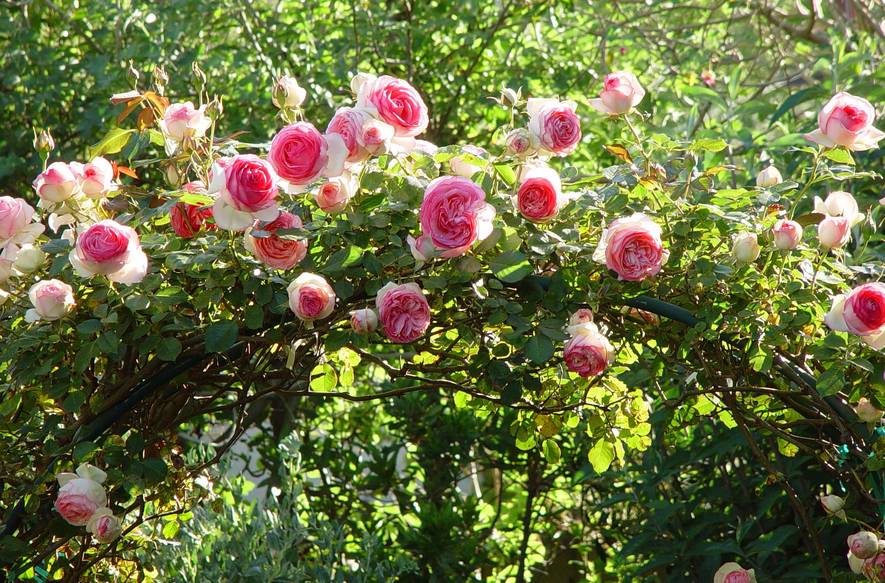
{"x": 349, "y": 123}
{"x": 247, "y": 191}
{"x": 80, "y": 494}
{"x": 787, "y": 234}
{"x": 455, "y": 214}
{"x": 540, "y": 195}
{"x": 621, "y": 92}
{"x": 745, "y": 248}
{"x": 16, "y": 226}
{"x": 833, "y": 505}
{"x": 29, "y": 258}
{"x": 863, "y": 544}
{"x": 874, "y": 567}
{"x": 51, "y": 299}
{"x": 632, "y": 247}
{"x": 311, "y": 297}
{"x": 734, "y": 573}
{"x": 461, "y": 167}
{"x": 847, "y": 121}
{"x": 333, "y": 195}
{"x": 582, "y": 316}
{"x": 110, "y": 249}
{"x": 861, "y": 312}
{"x": 96, "y": 177}
{"x": 300, "y": 154}
{"x": 554, "y": 125}
{"x": 769, "y": 177}
{"x": 403, "y": 311}
{"x": 839, "y": 204}
{"x": 708, "y": 77}
{"x": 57, "y": 183}
{"x": 587, "y": 352}
{"x": 104, "y": 526}
{"x": 521, "y": 143}
{"x": 422, "y": 248}
{"x": 287, "y": 92}
{"x": 395, "y": 102}
{"x": 834, "y": 232}
{"x": 273, "y": 250}
{"x": 364, "y": 321}
{"x": 375, "y": 137}
{"x": 182, "y": 120}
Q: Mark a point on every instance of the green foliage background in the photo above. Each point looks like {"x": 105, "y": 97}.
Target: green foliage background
{"x": 693, "y": 499}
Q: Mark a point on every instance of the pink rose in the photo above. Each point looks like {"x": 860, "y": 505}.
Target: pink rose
{"x": 182, "y": 120}
{"x": 582, "y": 316}
{"x": 621, "y": 92}
{"x": 734, "y": 573}
{"x": 461, "y": 167}
{"x": 288, "y": 93}
{"x": 834, "y": 232}
{"x": 189, "y": 219}
{"x": 454, "y": 214}
{"x": 588, "y": 352}
{"x": 554, "y": 125}
{"x": 403, "y": 311}
{"x": 375, "y": 137}
{"x": 104, "y": 526}
{"x": 300, "y": 154}
{"x": 275, "y": 251}
{"x": 395, "y": 102}
{"x": 540, "y": 196}
{"x": 521, "y": 143}
{"x": 708, "y": 77}
{"x": 311, "y": 297}
{"x": 422, "y": 248}
{"x": 863, "y": 544}
{"x": 874, "y": 567}
{"x": 348, "y": 123}
{"x": 632, "y": 247}
{"x": 111, "y": 249}
{"x": 787, "y": 234}
{"x": 16, "y": 225}
{"x": 80, "y": 494}
{"x": 57, "y": 183}
{"x": 847, "y": 121}
{"x": 861, "y": 312}
{"x": 51, "y": 299}
{"x": 364, "y": 321}
{"x": 334, "y": 194}
{"x": 96, "y": 178}
{"x": 247, "y": 190}
{"x": 769, "y": 177}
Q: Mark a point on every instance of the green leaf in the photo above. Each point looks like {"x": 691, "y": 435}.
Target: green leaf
{"x": 113, "y": 141}
{"x": 506, "y": 173}
{"x": 539, "y": 349}
{"x": 169, "y": 349}
{"x": 840, "y": 155}
{"x": 221, "y": 335}
{"x": 708, "y": 145}
{"x": 795, "y": 99}
{"x": 323, "y": 378}
{"x": 510, "y": 267}
{"x": 551, "y": 451}
{"x": 153, "y": 470}
{"x": 705, "y": 94}
{"x": 601, "y": 455}
{"x": 82, "y": 450}
{"x": 137, "y": 302}
{"x": 830, "y": 382}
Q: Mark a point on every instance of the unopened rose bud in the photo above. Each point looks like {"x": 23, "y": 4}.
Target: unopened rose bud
{"x": 787, "y": 234}
{"x": 863, "y": 544}
{"x": 29, "y": 259}
{"x": 287, "y": 93}
{"x": 833, "y": 505}
{"x": 769, "y": 177}
{"x": 520, "y": 142}
{"x": 359, "y": 80}
{"x": 215, "y": 108}
{"x": 509, "y": 97}
{"x": 834, "y": 232}
{"x": 745, "y": 248}
{"x": 173, "y": 176}
{"x": 364, "y": 321}
{"x": 133, "y": 74}
{"x": 104, "y": 526}
{"x": 198, "y": 73}
{"x": 160, "y": 79}
{"x": 43, "y": 142}
{"x": 867, "y": 412}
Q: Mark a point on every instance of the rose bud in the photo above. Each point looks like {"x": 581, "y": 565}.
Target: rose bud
{"x": 861, "y": 312}
{"x": 57, "y": 183}
{"x": 104, "y": 526}
{"x": 621, "y": 92}
{"x": 287, "y": 93}
{"x": 833, "y": 505}
{"x": 364, "y": 321}
{"x": 632, "y": 248}
{"x": 454, "y": 214}
{"x": 863, "y": 544}
{"x": 51, "y": 299}
{"x": 734, "y": 573}
{"x": 856, "y": 565}
{"x": 393, "y": 101}
{"x": 509, "y": 97}
{"x": 311, "y": 297}
{"x": 29, "y": 259}
{"x": 375, "y": 137}
{"x": 867, "y": 412}
{"x": 554, "y": 125}
{"x": 334, "y": 194}
{"x": 111, "y": 249}
{"x": 80, "y": 494}
{"x": 839, "y": 204}
{"x": 96, "y": 178}
{"x": 769, "y": 177}
{"x": 847, "y": 121}
{"x": 273, "y": 250}
{"x": 43, "y": 142}
{"x": 834, "y": 232}
{"x": 787, "y": 234}
{"x": 422, "y": 248}
{"x": 745, "y": 248}
{"x": 582, "y": 316}
{"x": 708, "y": 77}
{"x": 403, "y": 312}
{"x": 461, "y": 167}
{"x": 520, "y": 142}
{"x": 588, "y": 352}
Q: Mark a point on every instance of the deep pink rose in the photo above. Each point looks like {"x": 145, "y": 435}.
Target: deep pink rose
{"x": 555, "y": 125}
{"x": 540, "y": 197}
{"x": 632, "y": 247}
{"x": 299, "y": 153}
{"x": 395, "y": 102}
{"x": 588, "y": 352}
{"x": 250, "y": 183}
{"x": 864, "y": 311}
{"x": 275, "y": 251}
{"x": 112, "y": 249}
{"x": 403, "y": 311}
{"x": 348, "y": 123}
{"x": 454, "y": 214}
{"x": 847, "y": 121}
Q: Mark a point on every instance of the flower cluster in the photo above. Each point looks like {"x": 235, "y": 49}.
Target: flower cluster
{"x": 82, "y": 501}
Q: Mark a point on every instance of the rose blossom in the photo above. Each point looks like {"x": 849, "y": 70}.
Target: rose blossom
{"x": 300, "y": 154}
{"x": 734, "y": 573}
{"x": 16, "y": 226}
{"x": 311, "y": 297}
{"x": 867, "y": 412}
{"x": 111, "y": 249}
{"x": 96, "y": 177}
{"x": 57, "y": 183}
{"x": 520, "y": 142}
{"x": 349, "y": 123}
{"x": 708, "y": 77}
{"x": 834, "y": 232}
{"x": 334, "y": 194}
{"x": 364, "y": 321}
{"x": 104, "y": 526}
{"x": 51, "y": 299}
{"x": 29, "y": 259}
{"x": 632, "y": 247}
{"x": 861, "y": 312}
{"x": 839, "y": 204}
{"x": 554, "y": 125}
{"x": 833, "y": 505}
{"x": 787, "y": 234}
{"x": 422, "y": 248}
{"x": 847, "y": 121}
{"x": 287, "y": 92}
{"x": 246, "y": 188}
{"x": 745, "y": 248}
{"x": 863, "y": 544}
{"x": 188, "y": 219}
{"x": 454, "y": 214}
{"x": 588, "y": 352}
{"x": 275, "y": 251}
{"x": 461, "y": 167}
{"x": 80, "y": 494}
{"x": 395, "y": 102}
{"x": 403, "y": 311}
{"x": 621, "y": 92}
{"x": 771, "y": 176}
{"x": 582, "y": 316}
{"x": 874, "y": 567}
{"x": 182, "y": 120}
{"x": 540, "y": 196}
{"x": 375, "y": 136}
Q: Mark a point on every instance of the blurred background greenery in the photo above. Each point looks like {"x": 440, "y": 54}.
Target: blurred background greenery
{"x": 345, "y": 494}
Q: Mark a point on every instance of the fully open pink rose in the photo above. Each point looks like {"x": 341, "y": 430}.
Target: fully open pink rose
{"x": 403, "y": 311}
{"x": 632, "y": 247}
{"x": 104, "y": 526}
{"x": 847, "y": 120}
{"x": 111, "y": 249}
{"x": 275, "y": 251}
{"x": 588, "y": 352}
{"x": 299, "y": 153}
{"x": 247, "y": 191}
{"x": 349, "y": 123}
{"x": 861, "y": 311}
{"x": 540, "y": 196}
{"x": 51, "y": 299}
{"x": 311, "y": 297}
{"x": 454, "y": 214}
{"x": 183, "y": 120}
{"x": 621, "y": 92}
{"x": 364, "y": 321}
{"x": 787, "y": 234}
{"x": 555, "y": 125}
{"x": 80, "y": 494}
{"x": 734, "y": 573}
{"x": 57, "y": 183}
{"x": 395, "y": 102}
{"x": 96, "y": 177}
{"x": 15, "y": 222}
